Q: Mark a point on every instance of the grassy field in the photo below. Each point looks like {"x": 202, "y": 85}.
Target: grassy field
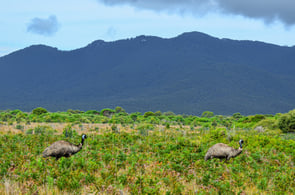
{"x": 144, "y": 158}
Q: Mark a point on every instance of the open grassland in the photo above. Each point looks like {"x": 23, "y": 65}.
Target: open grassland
{"x": 147, "y": 158}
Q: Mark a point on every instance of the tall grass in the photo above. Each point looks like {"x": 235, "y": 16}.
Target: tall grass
{"x": 164, "y": 161}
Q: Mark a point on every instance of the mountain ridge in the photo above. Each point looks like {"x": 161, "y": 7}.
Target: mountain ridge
{"x": 190, "y": 73}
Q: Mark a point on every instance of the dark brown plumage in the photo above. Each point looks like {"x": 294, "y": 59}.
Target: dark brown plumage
{"x": 63, "y": 148}
{"x": 223, "y": 151}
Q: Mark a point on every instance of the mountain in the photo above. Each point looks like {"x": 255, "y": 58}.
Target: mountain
{"x": 190, "y": 73}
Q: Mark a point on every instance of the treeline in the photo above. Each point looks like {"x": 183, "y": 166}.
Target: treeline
{"x": 284, "y": 122}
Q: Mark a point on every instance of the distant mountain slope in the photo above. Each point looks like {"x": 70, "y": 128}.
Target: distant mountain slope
{"x": 190, "y": 73}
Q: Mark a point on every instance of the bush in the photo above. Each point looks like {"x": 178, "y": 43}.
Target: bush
{"x": 43, "y": 130}
{"x": 29, "y": 131}
{"x": 107, "y": 112}
{"x": 148, "y": 114}
{"x": 269, "y": 123}
{"x": 119, "y": 109}
{"x": 92, "y": 112}
{"x": 68, "y": 132}
{"x": 144, "y": 129}
{"x": 256, "y": 118}
{"x": 19, "y": 127}
{"x": 115, "y": 129}
{"x": 207, "y": 114}
{"x": 287, "y": 122}
{"x": 237, "y": 116}
{"x": 39, "y": 111}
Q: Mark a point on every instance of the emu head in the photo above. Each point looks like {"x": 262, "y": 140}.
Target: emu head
{"x": 241, "y": 142}
{"x": 83, "y": 138}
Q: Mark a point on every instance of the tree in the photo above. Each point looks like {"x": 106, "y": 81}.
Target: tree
{"x": 107, "y": 112}
{"x": 207, "y": 114}
{"x": 149, "y": 113}
{"x": 237, "y": 116}
{"x": 92, "y": 112}
{"x": 39, "y": 111}
{"x": 158, "y": 113}
{"x": 169, "y": 113}
{"x": 119, "y": 109}
{"x": 134, "y": 116}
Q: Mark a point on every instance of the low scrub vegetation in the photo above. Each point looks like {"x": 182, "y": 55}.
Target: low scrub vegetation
{"x": 146, "y": 153}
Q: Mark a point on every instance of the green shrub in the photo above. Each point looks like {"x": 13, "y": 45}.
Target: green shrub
{"x": 144, "y": 129}
{"x": 269, "y": 123}
{"x": 39, "y": 111}
{"x": 237, "y": 116}
{"x": 69, "y": 132}
{"x": 148, "y": 114}
{"x": 29, "y": 131}
{"x": 287, "y": 122}
{"x": 19, "y": 127}
{"x": 114, "y": 128}
{"x": 256, "y": 118}
{"x": 43, "y": 130}
{"x": 107, "y": 112}
{"x": 207, "y": 114}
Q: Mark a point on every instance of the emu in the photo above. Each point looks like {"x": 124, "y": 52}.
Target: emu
{"x": 63, "y": 148}
{"x": 223, "y": 151}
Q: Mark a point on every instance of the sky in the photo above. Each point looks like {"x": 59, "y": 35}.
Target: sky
{"x": 72, "y": 24}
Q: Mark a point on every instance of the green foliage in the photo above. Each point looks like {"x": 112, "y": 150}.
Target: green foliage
{"x": 256, "y": 118}
{"x": 287, "y": 122}
{"x": 92, "y": 112}
{"x": 138, "y": 163}
{"x": 29, "y": 131}
{"x": 162, "y": 149}
{"x": 119, "y": 109}
{"x": 115, "y": 128}
{"x": 158, "y": 113}
{"x": 134, "y": 116}
{"x": 44, "y": 130}
{"x": 269, "y": 123}
{"x": 74, "y": 111}
{"x": 237, "y": 116}
{"x": 207, "y": 114}
{"x": 39, "y": 111}
{"x": 69, "y": 132}
{"x": 148, "y": 114}
{"x": 20, "y": 127}
{"x": 107, "y": 112}
{"x": 145, "y": 128}
{"x": 169, "y": 113}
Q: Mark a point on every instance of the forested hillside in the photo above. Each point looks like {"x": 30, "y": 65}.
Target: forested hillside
{"x": 190, "y": 73}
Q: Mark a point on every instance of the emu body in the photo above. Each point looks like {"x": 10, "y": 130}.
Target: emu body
{"x": 223, "y": 151}
{"x": 63, "y": 148}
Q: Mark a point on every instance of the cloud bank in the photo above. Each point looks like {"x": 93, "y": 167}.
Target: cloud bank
{"x": 266, "y": 10}
{"x": 46, "y": 27}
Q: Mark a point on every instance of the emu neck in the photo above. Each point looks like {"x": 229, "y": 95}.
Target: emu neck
{"x": 80, "y": 145}
{"x": 82, "y": 142}
{"x": 237, "y": 152}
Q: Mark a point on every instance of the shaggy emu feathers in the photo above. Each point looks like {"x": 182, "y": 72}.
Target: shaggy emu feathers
{"x": 63, "y": 148}
{"x": 223, "y": 151}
